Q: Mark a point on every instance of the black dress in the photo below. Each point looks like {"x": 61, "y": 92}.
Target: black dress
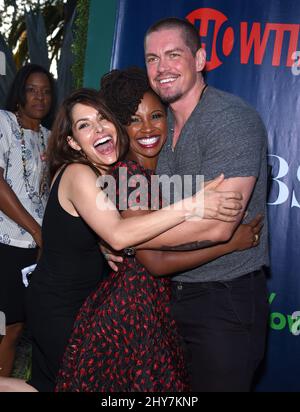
{"x": 124, "y": 338}
{"x": 70, "y": 268}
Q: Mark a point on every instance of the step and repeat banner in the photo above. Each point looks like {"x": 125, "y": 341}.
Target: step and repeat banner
{"x": 253, "y": 51}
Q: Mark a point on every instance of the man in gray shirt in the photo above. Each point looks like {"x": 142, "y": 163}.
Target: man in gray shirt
{"x": 221, "y": 307}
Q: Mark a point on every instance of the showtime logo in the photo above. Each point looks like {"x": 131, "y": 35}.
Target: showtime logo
{"x": 253, "y": 39}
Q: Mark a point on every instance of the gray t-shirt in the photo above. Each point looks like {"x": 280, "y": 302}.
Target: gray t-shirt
{"x": 222, "y": 135}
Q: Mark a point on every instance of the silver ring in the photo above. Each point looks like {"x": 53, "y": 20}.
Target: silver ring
{"x": 255, "y": 238}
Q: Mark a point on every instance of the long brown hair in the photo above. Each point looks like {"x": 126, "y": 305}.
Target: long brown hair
{"x": 59, "y": 152}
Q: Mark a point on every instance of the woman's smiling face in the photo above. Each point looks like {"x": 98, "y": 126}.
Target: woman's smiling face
{"x": 94, "y": 135}
{"x": 148, "y": 128}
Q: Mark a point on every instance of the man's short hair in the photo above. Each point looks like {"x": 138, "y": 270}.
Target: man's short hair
{"x": 189, "y": 32}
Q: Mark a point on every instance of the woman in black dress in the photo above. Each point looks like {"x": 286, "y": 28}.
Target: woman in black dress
{"x": 86, "y": 139}
{"x": 124, "y": 338}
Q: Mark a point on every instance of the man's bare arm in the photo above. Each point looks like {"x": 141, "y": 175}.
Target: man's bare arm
{"x": 204, "y": 232}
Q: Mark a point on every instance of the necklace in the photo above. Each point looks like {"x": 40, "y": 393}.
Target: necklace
{"x": 43, "y": 187}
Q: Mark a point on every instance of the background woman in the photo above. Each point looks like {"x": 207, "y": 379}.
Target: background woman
{"x": 23, "y": 193}
{"x": 124, "y": 338}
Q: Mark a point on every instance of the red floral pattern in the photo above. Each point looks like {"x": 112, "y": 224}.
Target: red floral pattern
{"x": 124, "y": 338}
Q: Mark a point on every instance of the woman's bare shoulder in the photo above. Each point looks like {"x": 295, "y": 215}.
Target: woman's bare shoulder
{"x": 75, "y": 175}
{"x": 79, "y": 171}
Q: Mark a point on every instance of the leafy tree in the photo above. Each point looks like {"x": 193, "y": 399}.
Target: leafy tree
{"x": 56, "y": 14}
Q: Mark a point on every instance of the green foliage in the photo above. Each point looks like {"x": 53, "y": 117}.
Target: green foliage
{"x": 56, "y": 14}
{"x": 22, "y": 364}
{"x": 80, "y": 42}
{"x": 12, "y": 24}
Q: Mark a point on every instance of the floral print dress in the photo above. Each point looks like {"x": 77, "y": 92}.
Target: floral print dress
{"x": 124, "y": 339}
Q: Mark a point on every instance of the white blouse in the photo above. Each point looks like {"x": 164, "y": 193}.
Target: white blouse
{"x": 11, "y": 162}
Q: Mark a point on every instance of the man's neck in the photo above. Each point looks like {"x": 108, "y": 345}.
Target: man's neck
{"x": 184, "y": 107}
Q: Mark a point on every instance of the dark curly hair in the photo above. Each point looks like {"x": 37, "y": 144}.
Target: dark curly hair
{"x": 123, "y": 91}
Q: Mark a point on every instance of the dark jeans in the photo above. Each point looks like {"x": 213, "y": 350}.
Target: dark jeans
{"x": 223, "y": 325}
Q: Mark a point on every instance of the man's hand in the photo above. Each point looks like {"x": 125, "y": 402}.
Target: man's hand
{"x": 221, "y": 205}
